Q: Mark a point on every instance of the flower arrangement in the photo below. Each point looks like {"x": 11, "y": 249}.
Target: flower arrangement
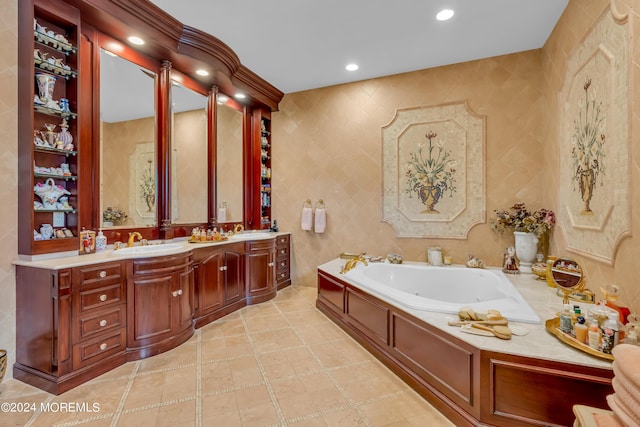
{"x": 431, "y": 175}
{"x": 519, "y": 218}
{"x": 114, "y": 215}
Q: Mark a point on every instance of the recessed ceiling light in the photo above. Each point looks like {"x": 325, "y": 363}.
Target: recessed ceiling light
{"x": 352, "y": 67}
{"x": 445, "y": 14}
{"x": 222, "y": 99}
{"x": 136, "y": 40}
{"x": 202, "y": 72}
{"x": 239, "y": 96}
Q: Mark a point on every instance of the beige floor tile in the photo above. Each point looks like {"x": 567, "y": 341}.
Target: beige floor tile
{"x": 265, "y": 322}
{"x": 264, "y": 309}
{"x": 405, "y": 407}
{"x": 318, "y": 335}
{"x": 147, "y": 417}
{"x": 368, "y": 380}
{"x": 222, "y": 329}
{"x": 290, "y": 362}
{"x": 225, "y": 348}
{"x": 259, "y": 415}
{"x": 275, "y": 340}
{"x": 303, "y": 395}
{"x": 311, "y": 316}
{"x": 340, "y": 353}
{"x": 180, "y": 356}
{"x": 223, "y": 375}
{"x": 178, "y": 414}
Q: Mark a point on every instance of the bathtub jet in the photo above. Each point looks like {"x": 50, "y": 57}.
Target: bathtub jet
{"x": 444, "y": 289}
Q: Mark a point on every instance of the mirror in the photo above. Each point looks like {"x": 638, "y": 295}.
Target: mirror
{"x": 567, "y": 274}
{"x": 189, "y": 156}
{"x": 229, "y": 178}
{"x": 128, "y": 173}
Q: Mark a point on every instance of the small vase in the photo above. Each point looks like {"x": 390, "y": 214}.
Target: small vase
{"x": 46, "y": 84}
{"x": 526, "y": 249}
{"x": 430, "y": 196}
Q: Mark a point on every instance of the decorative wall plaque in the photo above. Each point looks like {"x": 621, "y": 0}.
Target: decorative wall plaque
{"x": 433, "y": 171}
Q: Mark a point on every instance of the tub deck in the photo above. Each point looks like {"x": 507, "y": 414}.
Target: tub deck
{"x": 528, "y": 380}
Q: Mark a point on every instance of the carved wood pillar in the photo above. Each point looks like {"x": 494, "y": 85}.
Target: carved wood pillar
{"x": 163, "y": 184}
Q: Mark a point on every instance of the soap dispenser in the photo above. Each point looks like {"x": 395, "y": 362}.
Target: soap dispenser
{"x": 101, "y": 241}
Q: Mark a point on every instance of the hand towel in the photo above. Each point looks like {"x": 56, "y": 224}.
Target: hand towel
{"x": 222, "y": 215}
{"x": 626, "y": 393}
{"x": 307, "y": 218}
{"x": 627, "y": 361}
{"x": 621, "y": 412}
{"x": 321, "y": 220}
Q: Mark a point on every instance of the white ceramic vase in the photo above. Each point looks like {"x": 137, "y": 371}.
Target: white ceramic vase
{"x": 526, "y": 249}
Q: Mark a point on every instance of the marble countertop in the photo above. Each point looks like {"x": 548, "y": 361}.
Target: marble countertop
{"x": 536, "y": 343}
{"x": 178, "y": 245}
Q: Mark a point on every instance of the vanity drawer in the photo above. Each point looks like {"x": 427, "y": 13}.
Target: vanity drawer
{"x": 98, "y": 275}
{"x": 105, "y": 320}
{"x": 91, "y": 299}
{"x": 282, "y": 252}
{"x": 282, "y": 240}
{"x": 96, "y": 349}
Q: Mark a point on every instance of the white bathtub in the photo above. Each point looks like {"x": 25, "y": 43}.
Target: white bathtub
{"x": 444, "y": 289}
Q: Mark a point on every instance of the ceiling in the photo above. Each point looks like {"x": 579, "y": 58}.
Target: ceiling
{"x": 302, "y": 44}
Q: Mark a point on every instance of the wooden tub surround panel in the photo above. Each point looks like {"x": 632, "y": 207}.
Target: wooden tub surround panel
{"x": 470, "y": 386}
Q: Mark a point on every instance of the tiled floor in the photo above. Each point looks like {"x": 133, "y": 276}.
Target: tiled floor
{"x": 280, "y": 363}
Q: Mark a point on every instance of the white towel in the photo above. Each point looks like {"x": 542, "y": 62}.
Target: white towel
{"x": 321, "y": 220}
{"x": 222, "y": 215}
{"x": 307, "y": 218}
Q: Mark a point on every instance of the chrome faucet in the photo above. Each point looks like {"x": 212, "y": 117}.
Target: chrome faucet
{"x": 132, "y": 237}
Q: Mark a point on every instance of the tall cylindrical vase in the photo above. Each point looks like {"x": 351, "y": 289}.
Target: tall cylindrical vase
{"x": 526, "y": 249}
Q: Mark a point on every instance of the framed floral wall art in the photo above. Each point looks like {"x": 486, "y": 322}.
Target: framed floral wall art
{"x": 593, "y": 200}
{"x": 433, "y": 171}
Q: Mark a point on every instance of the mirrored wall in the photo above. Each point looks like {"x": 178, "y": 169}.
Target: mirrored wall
{"x": 229, "y": 174}
{"x": 128, "y": 172}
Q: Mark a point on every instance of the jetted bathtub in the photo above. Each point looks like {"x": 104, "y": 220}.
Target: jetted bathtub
{"x": 444, "y": 289}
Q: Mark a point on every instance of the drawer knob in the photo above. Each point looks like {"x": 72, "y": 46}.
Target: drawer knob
{"x": 270, "y": 264}
{"x": 223, "y": 268}
{"x": 103, "y": 346}
{"x": 103, "y": 297}
{"x": 174, "y": 293}
{"x": 179, "y": 291}
{"x": 282, "y": 264}
{"x": 103, "y": 323}
{"x": 102, "y": 274}
{"x": 282, "y": 251}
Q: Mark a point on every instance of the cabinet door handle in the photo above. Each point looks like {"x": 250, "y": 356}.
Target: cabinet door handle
{"x": 103, "y": 346}
{"x": 103, "y": 323}
{"x": 271, "y": 264}
{"x": 103, "y": 297}
{"x": 174, "y": 293}
{"x": 223, "y": 268}
{"x": 179, "y": 291}
{"x": 102, "y": 274}
{"x": 282, "y": 251}
{"x": 282, "y": 264}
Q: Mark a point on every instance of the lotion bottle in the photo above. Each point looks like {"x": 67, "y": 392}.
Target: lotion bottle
{"x": 101, "y": 241}
{"x": 565, "y": 319}
{"x": 593, "y": 335}
{"x": 610, "y": 333}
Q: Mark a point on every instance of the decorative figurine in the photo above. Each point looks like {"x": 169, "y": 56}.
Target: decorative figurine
{"x": 510, "y": 264}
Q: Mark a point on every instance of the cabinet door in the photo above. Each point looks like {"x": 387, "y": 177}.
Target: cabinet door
{"x": 210, "y": 291}
{"x": 260, "y": 276}
{"x": 233, "y": 277}
{"x": 150, "y": 314}
{"x": 183, "y": 301}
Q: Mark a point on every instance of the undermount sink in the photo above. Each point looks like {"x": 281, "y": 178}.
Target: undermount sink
{"x": 148, "y": 250}
{"x": 251, "y": 235}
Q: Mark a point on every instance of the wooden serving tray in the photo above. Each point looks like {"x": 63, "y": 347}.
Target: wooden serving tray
{"x": 553, "y": 327}
{"x": 208, "y": 241}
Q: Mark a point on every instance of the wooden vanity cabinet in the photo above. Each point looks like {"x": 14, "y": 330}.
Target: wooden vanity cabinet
{"x": 219, "y": 281}
{"x": 283, "y": 261}
{"x": 70, "y": 324}
{"x": 260, "y": 270}
{"x": 160, "y": 308}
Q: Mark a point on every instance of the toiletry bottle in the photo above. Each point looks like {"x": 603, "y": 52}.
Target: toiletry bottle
{"x": 565, "y": 319}
{"x": 593, "y": 335}
{"x": 101, "y": 241}
{"x": 574, "y": 318}
{"x": 610, "y": 333}
{"x": 580, "y": 330}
